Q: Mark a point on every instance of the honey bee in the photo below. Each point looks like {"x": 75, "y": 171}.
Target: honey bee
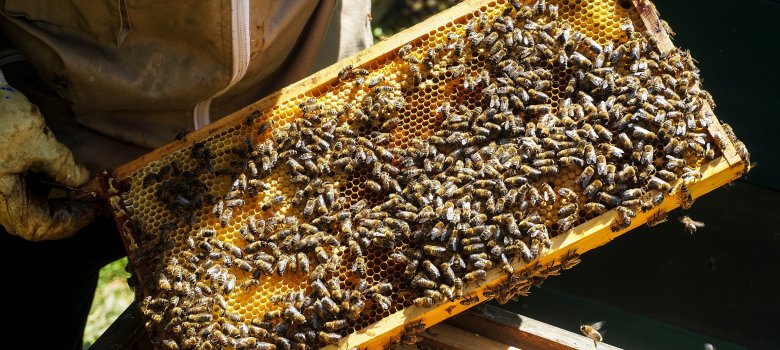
{"x": 336, "y": 325}
{"x": 580, "y": 60}
{"x": 345, "y": 72}
{"x": 355, "y": 308}
{"x": 170, "y": 344}
{"x": 163, "y": 283}
{"x": 657, "y": 219}
{"x": 328, "y": 337}
{"x": 383, "y": 301}
{"x": 330, "y": 305}
{"x": 422, "y": 282}
{"x": 592, "y": 331}
{"x": 232, "y": 316}
{"x": 666, "y": 175}
{"x": 224, "y": 218}
{"x": 571, "y": 161}
{"x": 434, "y": 250}
{"x": 293, "y": 314}
{"x": 690, "y": 225}
{"x": 470, "y": 300}
{"x": 570, "y": 260}
{"x": 190, "y": 342}
{"x": 424, "y": 301}
{"x": 242, "y": 264}
{"x": 623, "y": 219}
{"x": 246, "y": 343}
{"x": 360, "y": 266}
{"x": 592, "y": 189}
{"x": 202, "y": 317}
{"x": 476, "y": 275}
{"x": 593, "y": 208}
{"x": 585, "y": 176}
{"x": 684, "y": 196}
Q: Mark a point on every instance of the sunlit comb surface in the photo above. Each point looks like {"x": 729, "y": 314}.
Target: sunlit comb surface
{"x": 402, "y": 181}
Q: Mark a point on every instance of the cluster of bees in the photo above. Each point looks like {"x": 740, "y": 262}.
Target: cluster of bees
{"x": 477, "y": 194}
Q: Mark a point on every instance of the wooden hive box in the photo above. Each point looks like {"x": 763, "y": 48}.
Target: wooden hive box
{"x": 165, "y": 202}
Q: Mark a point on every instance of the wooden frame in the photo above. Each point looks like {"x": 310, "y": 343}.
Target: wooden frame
{"x": 587, "y": 236}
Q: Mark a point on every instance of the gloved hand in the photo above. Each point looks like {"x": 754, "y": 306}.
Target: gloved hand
{"x": 26, "y": 144}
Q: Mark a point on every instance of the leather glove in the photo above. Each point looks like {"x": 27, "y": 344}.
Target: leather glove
{"x": 27, "y": 145}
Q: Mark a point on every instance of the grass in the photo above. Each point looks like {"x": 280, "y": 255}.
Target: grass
{"x": 111, "y": 298}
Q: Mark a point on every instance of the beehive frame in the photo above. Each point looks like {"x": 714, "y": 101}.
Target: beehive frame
{"x": 586, "y": 236}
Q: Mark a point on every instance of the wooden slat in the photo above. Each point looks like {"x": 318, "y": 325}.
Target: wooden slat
{"x": 649, "y": 15}
{"x": 515, "y": 330}
{"x": 446, "y": 336}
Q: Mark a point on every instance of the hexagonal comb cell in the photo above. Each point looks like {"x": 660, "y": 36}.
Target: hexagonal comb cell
{"x": 402, "y": 181}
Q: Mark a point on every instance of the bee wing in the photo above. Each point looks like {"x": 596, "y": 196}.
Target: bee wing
{"x": 697, "y": 223}
{"x": 598, "y": 325}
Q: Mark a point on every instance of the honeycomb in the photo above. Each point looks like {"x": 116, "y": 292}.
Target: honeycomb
{"x": 236, "y": 231}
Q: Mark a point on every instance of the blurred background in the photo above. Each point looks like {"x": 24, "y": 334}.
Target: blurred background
{"x": 658, "y": 288}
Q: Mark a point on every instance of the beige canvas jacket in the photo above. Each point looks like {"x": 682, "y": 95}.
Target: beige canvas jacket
{"x": 137, "y": 72}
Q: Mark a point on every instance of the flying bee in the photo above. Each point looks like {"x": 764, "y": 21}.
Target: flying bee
{"x": 690, "y": 225}
{"x": 592, "y": 331}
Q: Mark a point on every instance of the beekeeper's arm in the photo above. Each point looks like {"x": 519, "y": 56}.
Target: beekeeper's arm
{"x": 28, "y": 146}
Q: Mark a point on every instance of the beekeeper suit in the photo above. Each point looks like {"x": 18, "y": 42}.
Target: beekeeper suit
{"x": 90, "y": 84}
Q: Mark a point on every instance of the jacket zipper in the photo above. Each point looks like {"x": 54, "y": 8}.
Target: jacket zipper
{"x": 241, "y": 52}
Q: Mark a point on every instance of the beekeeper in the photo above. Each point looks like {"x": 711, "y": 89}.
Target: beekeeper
{"x": 87, "y": 85}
